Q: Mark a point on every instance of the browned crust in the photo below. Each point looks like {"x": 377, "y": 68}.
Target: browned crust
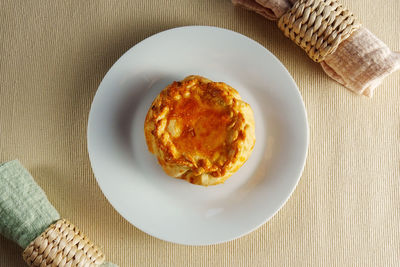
{"x": 189, "y": 168}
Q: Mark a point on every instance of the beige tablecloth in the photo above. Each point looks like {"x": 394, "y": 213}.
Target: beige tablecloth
{"x": 346, "y": 208}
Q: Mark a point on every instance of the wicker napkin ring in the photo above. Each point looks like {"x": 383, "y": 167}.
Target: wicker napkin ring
{"x": 62, "y": 244}
{"x": 318, "y": 26}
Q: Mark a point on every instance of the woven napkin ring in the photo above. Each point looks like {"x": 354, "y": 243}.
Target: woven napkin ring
{"x": 62, "y": 244}
{"x": 318, "y": 26}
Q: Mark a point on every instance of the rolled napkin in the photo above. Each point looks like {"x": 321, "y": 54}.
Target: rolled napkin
{"x": 29, "y": 219}
{"x": 332, "y": 36}
{"x": 271, "y": 9}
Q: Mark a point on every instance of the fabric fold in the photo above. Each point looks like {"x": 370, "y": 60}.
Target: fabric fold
{"x": 270, "y": 9}
{"x": 361, "y": 62}
{"x": 25, "y": 211}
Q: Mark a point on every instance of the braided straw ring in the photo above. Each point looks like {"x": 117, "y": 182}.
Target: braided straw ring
{"x": 62, "y": 244}
{"x": 318, "y": 26}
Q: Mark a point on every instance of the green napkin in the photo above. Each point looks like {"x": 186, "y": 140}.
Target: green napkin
{"x": 25, "y": 211}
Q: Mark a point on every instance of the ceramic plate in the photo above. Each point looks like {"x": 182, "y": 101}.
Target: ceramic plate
{"x": 172, "y": 209}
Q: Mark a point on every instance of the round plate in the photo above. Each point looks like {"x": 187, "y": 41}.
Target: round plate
{"x": 172, "y": 209}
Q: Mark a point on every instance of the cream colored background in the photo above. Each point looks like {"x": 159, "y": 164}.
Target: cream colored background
{"x": 346, "y": 208}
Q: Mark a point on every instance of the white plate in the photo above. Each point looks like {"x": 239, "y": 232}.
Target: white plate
{"x": 172, "y": 209}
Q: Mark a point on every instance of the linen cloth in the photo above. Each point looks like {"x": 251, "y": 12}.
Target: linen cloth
{"x": 25, "y": 211}
{"x": 345, "y": 210}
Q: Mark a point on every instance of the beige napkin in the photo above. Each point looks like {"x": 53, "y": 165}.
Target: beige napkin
{"x": 360, "y": 63}
{"x": 271, "y": 9}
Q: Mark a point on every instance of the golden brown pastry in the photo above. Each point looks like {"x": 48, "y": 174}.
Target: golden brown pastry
{"x": 201, "y": 131}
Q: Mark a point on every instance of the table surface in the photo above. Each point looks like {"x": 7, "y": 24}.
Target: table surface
{"x": 346, "y": 208}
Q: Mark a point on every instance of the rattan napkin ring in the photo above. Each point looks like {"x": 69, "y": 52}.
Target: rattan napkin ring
{"x": 62, "y": 244}
{"x": 318, "y": 26}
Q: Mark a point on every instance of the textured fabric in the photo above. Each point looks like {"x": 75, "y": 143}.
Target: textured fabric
{"x": 345, "y": 210}
{"x": 108, "y": 264}
{"x": 271, "y": 9}
{"x": 360, "y": 63}
{"x": 25, "y": 211}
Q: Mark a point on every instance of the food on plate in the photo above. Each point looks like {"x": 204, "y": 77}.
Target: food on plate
{"x": 200, "y": 131}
